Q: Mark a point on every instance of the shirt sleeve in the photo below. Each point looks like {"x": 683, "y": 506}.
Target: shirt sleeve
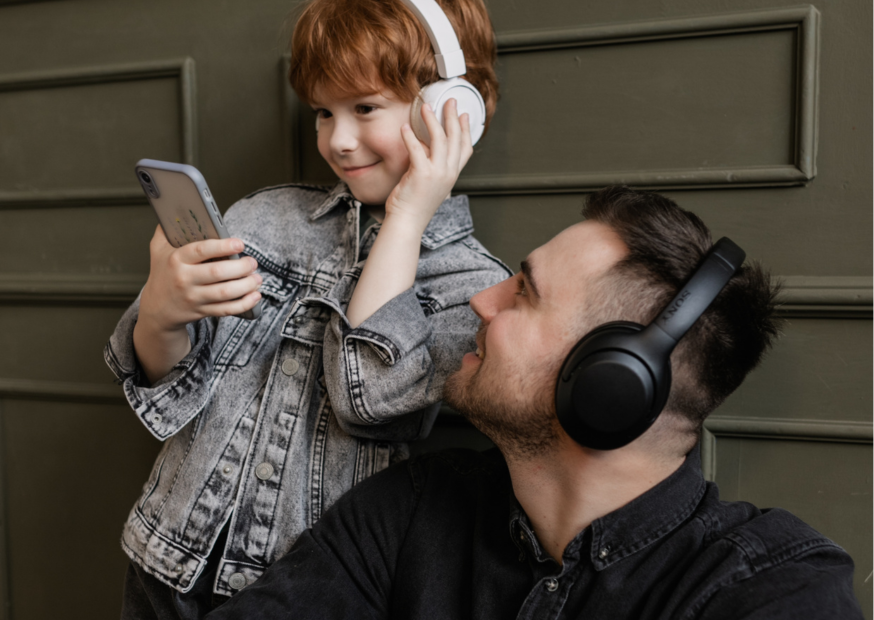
{"x": 385, "y": 378}
{"x": 166, "y": 406}
{"x": 817, "y": 586}
{"x": 344, "y": 566}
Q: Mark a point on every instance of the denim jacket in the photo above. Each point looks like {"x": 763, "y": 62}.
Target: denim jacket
{"x": 268, "y": 422}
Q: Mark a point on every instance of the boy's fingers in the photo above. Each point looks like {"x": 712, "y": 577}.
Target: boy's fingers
{"x": 231, "y": 308}
{"x": 228, "y": 291}
{"x": 453, "y": 131}
{"x": 222, "y": 271}
{"x": 201, "y": 251}
{"x": 416, "y": 149}
{"x": 438, "y": 136}
{"x": 466, "y": 142}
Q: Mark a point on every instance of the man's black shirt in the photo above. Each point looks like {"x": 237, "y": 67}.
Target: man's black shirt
{"x": 442, "y": 536}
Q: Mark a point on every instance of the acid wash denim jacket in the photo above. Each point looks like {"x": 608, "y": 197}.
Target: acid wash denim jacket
{"x": 254, "y": 431}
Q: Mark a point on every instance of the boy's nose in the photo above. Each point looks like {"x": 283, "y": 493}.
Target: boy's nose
{"x": 344, "y": 137}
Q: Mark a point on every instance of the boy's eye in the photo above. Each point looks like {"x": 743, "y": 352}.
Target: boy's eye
{"x": 364, "y": 108}
{"x": 322, "y": 113}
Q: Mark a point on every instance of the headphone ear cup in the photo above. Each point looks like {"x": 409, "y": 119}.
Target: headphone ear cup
{"x": 608, "y": 393}
{"x": 436, "y": 95}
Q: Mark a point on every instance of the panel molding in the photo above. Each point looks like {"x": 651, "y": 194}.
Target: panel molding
{"x": 826, "y": 297}
{"x": 776, "y": 428}
{"x": 67, "y": 288}
{"x": 805, "y": 19}
{"x": 36, "y": 389}
{"x": 180, "y": 68}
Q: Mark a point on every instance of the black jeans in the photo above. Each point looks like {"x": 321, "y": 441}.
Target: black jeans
{"x": 146, "y": 598}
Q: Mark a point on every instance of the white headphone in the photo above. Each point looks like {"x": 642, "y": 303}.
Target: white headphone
{"x": 450, "y": 65}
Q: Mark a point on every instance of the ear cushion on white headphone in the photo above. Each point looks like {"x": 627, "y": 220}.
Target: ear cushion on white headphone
{"x": 436, "y": 95}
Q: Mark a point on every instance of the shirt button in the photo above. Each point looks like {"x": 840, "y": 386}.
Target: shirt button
{"x": 604, "y": 552}
{"x": 290, "y": 366}
{"x": 156, "y": 418}
{"x": 237, "y": 581}
{"x": 552, "y": 585}
{"x": 227, "y": 469}
{"x": 264, "y": 471}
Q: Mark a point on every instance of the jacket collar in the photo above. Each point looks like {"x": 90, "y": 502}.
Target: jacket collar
{"x": 629, "y": 529}
{"x": 451, "y": 222}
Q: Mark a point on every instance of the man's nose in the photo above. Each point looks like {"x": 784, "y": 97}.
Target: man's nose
{"x": 486, "y": 304}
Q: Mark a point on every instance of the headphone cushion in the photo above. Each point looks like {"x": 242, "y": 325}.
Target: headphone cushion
{"x": 606, "y": 395}
{"x": 436, "y": 95}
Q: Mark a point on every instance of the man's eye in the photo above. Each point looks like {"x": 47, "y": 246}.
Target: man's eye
{"x": 520, "y": 288}
{"x": 323, "y": 113}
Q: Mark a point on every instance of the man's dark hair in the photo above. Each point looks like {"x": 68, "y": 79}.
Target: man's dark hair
{"x": 665, "y": 246}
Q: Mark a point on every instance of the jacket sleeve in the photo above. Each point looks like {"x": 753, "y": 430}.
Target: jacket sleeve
{"x": 385, "y": 378}
{"x": 172, "y": 402}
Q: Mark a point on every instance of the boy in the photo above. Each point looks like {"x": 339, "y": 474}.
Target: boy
{"x": 268, "y": 422}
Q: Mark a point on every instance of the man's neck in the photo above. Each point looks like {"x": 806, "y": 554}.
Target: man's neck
{"x": 564, "y": 491}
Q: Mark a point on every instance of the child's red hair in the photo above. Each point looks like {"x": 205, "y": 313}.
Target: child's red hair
{"x": 359, "y": 47}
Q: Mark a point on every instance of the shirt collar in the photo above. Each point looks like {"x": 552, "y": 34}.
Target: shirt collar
{"x": 451, "y": 222}
{"x": 629, "y": 529}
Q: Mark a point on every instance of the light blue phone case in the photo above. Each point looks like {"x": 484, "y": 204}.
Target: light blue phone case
{"x": 184, "y": 205}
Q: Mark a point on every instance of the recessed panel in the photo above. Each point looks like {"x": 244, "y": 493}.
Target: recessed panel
{"x": 89, "y": 240}
{"x": 72, "y": 474}
{"x": 708, "y": 102}
{"x": 86, "y": 136}
{"x": 828, "y": 485}
{"x": 816, "y": 371}
{"x": 56, "y": 343}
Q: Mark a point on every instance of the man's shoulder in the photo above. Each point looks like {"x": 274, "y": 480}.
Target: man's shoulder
{"x": 775, "y": 535}
{"x": 770, "y": 557}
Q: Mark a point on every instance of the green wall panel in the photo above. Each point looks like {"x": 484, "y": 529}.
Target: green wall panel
{"x": 72, "y": 473}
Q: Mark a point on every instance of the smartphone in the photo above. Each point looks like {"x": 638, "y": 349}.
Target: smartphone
{"x": 185, "y": 206}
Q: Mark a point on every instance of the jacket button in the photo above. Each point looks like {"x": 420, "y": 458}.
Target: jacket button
{"x": 264, "y": 471}
{"x": 298, "y": 320}
{"x": 552, "y": 585}
{"x": 155, "y": 418}
{"x": 237, "y": 581}
{"x": 603, "y": 553}
{"x": 290, "y": 366}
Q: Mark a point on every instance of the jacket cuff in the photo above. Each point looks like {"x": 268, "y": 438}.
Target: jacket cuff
{"x": 170, "y": 403}
{"x": 398, "y": 327}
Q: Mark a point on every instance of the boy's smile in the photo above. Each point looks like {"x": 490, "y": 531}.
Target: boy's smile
{"x": 360, "y": 138}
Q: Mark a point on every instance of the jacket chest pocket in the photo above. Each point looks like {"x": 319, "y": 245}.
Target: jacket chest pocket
{"x": 237, "y": 340}
{"x": 307, "y": 322}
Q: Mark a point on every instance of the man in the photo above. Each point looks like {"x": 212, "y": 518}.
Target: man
{"x": 544, "y": 527}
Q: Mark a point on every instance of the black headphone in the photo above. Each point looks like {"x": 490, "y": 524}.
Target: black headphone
{"x": 616, "y": 380}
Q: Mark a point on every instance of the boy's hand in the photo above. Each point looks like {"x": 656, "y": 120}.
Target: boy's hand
{"x": 433, "y": 172}
{"x": 184, "y": 287}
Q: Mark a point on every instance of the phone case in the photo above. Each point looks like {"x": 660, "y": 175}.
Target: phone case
{"x": 184, "y": 206}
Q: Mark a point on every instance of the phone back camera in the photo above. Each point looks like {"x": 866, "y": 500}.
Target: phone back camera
{"x": 148, "y": 184}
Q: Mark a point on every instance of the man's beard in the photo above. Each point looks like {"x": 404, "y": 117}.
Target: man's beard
{"x": 521, "y": 427}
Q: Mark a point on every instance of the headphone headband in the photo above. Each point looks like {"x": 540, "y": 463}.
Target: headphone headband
{"x": 447, "y": 51}
{"x": 721, "y": 263}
